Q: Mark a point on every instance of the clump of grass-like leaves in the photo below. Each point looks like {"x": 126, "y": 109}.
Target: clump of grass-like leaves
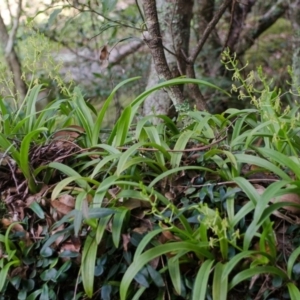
{"x": 149, "y": 211}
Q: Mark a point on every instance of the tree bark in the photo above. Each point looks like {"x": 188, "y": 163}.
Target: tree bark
{"x": 264, "y": 22}
{"x": 239, "y": 13}
{"x": 195, "y": 90}
{"x": 203, "y": 12}
{"x": 169, "y": 34}
{"x": 295, "y": 21}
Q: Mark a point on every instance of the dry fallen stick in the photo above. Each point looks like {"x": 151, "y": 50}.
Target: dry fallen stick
{"x": 184, "y": 150}
{"x": 228, "y": 182}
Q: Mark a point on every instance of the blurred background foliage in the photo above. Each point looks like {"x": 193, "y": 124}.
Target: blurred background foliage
{"x": 72, "y": 33}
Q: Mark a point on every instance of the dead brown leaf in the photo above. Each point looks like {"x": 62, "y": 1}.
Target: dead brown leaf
{"x": 141, "y": 229}
{"x": 126, "y": 241}
{"x": 19, "y": 271}
{"x": 17, "y": 227}
{"x": 70, "y": 133}
{"x": 136, "y": 203}
{"x": 61, "y": 237}
{"x": 73, "y": 245}
{"x": 64, "y": 204}
{"x": 103, "y": 57}
{"x": 294, "y": 198}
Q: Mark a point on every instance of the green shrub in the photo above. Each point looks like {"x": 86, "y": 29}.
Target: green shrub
{"x": 143, "y": 211}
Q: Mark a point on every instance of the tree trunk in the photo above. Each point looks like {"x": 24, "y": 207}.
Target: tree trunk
{"x": 295, "y": 20}
{"x": 210, "y": 60}
{"x": 12, "y": 62}
{"x": 174, "y": 19}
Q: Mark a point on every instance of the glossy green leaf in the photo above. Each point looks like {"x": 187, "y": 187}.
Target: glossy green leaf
{"x": 117, "y": 225}
{"x": 88, "y": 264}
{"x": 64, "y": 268}
{"x": 291, "y": 261}
{"x": 247, "y": 274}
{"x": 70, "y": 173}
{"x": 143, "y": 259}
{"x": 4, "y": 272}
{"x": 78, "y": 217}
{"x": 155, "y": 139}
{"x": 234, "y": 262}
{"x": 141, "y": 279}
{"x": 261, "y": 205}
{"x": 34, "y": 295}
{"x": 100, "y": 167}
{"x": 49, "y": 274}
{"x": 103, "y": 111}
{"x": 180, "y": 145}
{"x": 201, "y": 281}
{"x": 65, "y": 233}
{"x": 247, "y": 208}
{"x": 45, "y": 292}
{"x": 177, "y": 170}
{"x": 36, "y": 208}
{"x": 84, "y": 115}
{"x": 10, "y": 247}
{"x": 24, "y": 158}
{"x": 106, "y": 290}
{"x": 282, "y": 159}
{"x": 171, "y": 82}
{"x": 6, "y": 124}
{"x": 263, "y": 163}
{"x": 46, "y": 252}
{"x": 220, "y": 283}
{"x": 30, "y": 111}
{"x": 155, "y": 276}
{"x": 293, "y": 291}
{"x": 146, "y": 240}
{"x": 174, "y": 271}
{"x": 10, "y": 148}
{"x": 101, "y": 228}
{"x": 102, "y": 189}
{"x": 122, "y": 129}
{"x": 125, "y": 157}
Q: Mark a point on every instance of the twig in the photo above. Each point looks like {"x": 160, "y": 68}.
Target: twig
{"x": 231, "y": 23}
{"x": 13, "y": 32}
{"x": 105, "y": 17}
{"x": 179, "y": 151}
{"x": 227, "y": 182}
{"x": 264, "y": 22}
{"x": 190, "y": 60}
{"x": 210, "y": 27}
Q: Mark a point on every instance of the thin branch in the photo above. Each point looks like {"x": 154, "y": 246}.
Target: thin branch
{"x": 115, "y": 56}
{"x": 103, "y": 16}
{"x": 13, "y": 32}
{"x": 231, "y": 25}
{"x": 190, "y": 70}
{"x": 13, "y": 62}
{"x": 239, "y": 13}
{"x": 201, "y": 148}
{"x": 9, "y": 9}
{"x": 264, "y": 22}
{"x": 140, "y": 10}
{"x": 194, "y": 89}
{"x": 227, "y": 182}
{"x": 210, "y": 27}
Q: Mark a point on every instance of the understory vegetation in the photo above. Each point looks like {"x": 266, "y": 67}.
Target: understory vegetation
{"x": 205, "y": 206}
